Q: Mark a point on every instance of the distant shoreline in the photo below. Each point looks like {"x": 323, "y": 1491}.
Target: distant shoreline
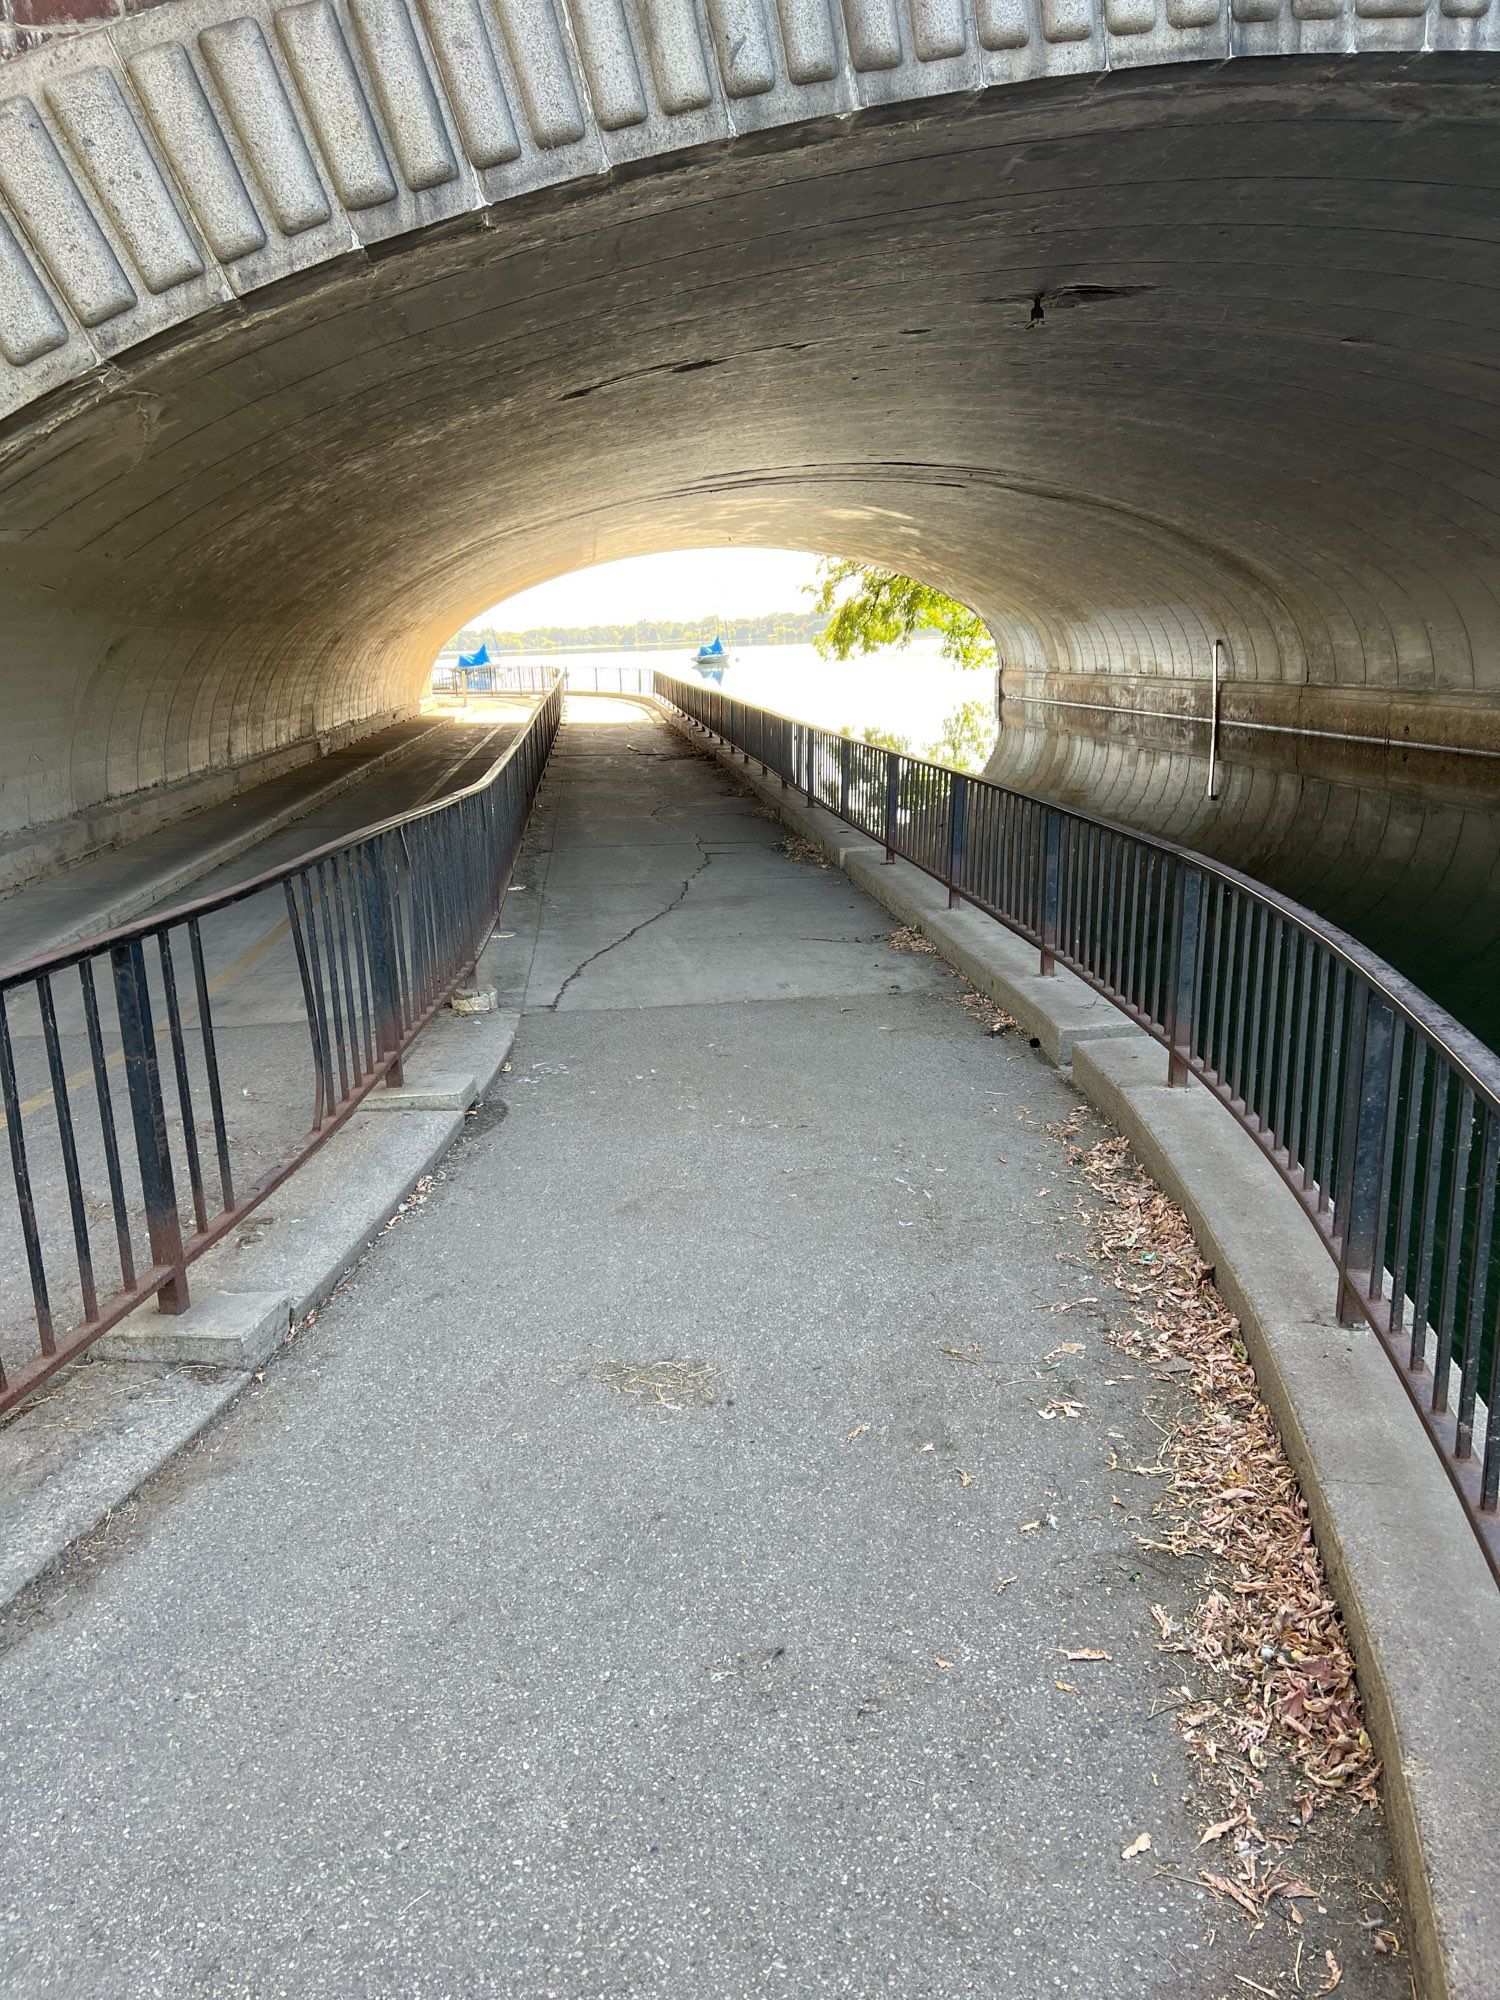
{"x": 657, "y": 635}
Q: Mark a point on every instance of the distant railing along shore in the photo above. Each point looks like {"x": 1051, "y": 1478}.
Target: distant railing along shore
{"x": 530, "y": 677}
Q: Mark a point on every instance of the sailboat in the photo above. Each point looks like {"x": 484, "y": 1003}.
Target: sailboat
{"x": 711, "y": 660}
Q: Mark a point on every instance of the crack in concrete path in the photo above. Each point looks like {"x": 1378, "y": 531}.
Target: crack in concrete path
{"x": 635, "y": 930}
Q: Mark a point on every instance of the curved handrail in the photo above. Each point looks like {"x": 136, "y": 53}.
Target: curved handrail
{"x": 1377, "y": 1108}
{"x": 382, "y": 922}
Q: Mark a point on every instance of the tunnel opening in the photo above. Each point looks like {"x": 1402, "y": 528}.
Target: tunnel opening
{"x": 849, "y": 646}
{"x": 235, "y": 545}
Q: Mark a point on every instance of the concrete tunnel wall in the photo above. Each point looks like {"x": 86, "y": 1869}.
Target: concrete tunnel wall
{"x": 325, "y": 325}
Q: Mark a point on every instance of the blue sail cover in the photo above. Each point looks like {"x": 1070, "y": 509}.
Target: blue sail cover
{"x": 479, "y": 659}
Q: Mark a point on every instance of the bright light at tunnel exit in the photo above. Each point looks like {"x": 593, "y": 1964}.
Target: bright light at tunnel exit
{"x": 909, "y": 692}
{"x": 685, "y": 583}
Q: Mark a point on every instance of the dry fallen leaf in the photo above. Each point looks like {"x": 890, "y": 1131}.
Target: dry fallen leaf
{"x": 1026, "y": 1527}
{"x": 1004, "y": 1584}
{"x": 1137, "y": 1846}
{"x": 858, "y": 1432}
{"x": 945, "y": 1664}
{"x": 963, "y": 1478}
{"x": 1335, "y": 1975}
{"x": 1222, "y": 1886}
{"x": 906, "y": 937}
{"x": 1084, "y": 1653}
{"x": 1066, "y": 1686}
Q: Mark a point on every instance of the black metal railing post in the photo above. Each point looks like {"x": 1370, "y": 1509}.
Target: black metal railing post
{"x": 958, "y": 814}
{"x": 386, "y": 998}
{"x": 379, "y": 925}
{"x": 1187, "y": 951}
{"x": 846, "y": 752}
{"x": 1050, "y": 899}
{"x": 892, "y": 803}
{"x": 148, "y": 1114}
{"x": 1364, "y": 1113}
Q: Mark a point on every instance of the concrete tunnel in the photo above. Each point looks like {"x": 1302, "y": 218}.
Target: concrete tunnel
{"x": 1134, "y": 323}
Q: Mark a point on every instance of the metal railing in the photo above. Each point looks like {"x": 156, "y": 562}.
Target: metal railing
{"x": 1377, "y": 1108}
{"x": 529, "y": 677}
{"x": 147, "y": 1110}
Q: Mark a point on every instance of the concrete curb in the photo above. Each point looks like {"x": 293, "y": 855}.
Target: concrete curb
{"x": 427, "y": 1090}
{"x": 286, "y": 1260}
{"x": 1411, "y": 1582}
{"x": 111, "y": 1465}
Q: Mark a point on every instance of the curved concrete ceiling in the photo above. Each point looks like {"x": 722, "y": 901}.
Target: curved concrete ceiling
{"x": 324, "y": 326}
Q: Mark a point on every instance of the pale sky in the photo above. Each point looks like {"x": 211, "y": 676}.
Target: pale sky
{"x": 693, "y": 583}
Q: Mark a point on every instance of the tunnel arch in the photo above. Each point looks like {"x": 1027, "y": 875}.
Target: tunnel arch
{"x": 1134, "y": 323}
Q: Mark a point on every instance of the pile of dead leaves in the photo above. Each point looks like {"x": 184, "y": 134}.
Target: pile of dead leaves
{"x": 795, "y": 848}
{"x": 1267, "y": 1638}
{"x": 906, "y": 937}
{"x": 980, "y": 1008}
{"x": 986, "y": 1013}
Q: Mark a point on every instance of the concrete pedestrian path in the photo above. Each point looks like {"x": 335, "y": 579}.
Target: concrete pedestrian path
{"x": 651, "y": 1575}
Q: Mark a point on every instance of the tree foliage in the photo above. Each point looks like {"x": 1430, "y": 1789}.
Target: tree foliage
{"x": 868, "y": 607}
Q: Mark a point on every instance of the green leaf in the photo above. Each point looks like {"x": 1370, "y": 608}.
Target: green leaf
{"x": 868, "y": 607}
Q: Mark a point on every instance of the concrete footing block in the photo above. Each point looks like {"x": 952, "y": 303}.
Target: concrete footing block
{"x": 431, "y": 1090}
{"x": 219, "y": 1330}
{"x": 475, "y": 1000}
